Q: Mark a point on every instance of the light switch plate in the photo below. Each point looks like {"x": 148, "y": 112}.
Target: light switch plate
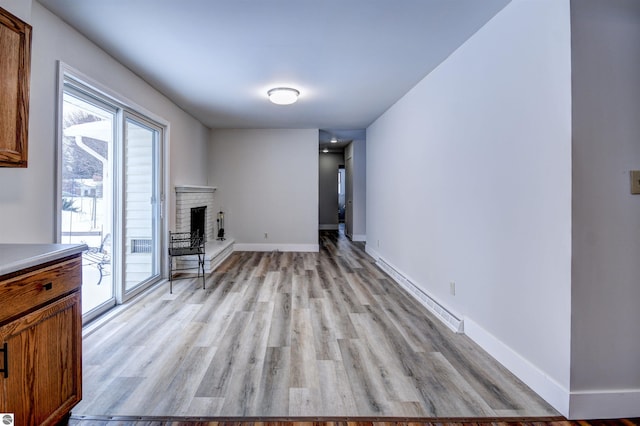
{"x": 635, "y": 181}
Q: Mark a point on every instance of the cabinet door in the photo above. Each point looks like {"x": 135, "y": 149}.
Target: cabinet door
{"x": 15, "y": 51}
{"x": 43, "y": 363}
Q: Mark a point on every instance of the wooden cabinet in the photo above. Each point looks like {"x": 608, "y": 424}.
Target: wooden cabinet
{"x": 15, "y": 65}
{"x": 41, "y": 342}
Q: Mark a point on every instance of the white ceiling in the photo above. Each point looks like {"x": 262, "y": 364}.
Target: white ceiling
{"x": 350, "y": 59}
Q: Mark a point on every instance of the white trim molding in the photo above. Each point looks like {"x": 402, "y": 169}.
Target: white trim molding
{"x": 358, "y": 237}
{"x": 609, "y": 404}
{"x": 444, "y": 314}
{"x": 371, "y": 252}
{"x": 550, "y": 390}
{"x": 277, "y": 247}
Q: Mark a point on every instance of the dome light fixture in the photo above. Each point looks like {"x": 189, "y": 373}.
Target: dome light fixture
{"x": 334, "y": 140}
{"x": 325, "y": 150}
{"x": 283, "y": 95}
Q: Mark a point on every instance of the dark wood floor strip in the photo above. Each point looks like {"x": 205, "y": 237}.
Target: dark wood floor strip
{"x": 341, "y": 421}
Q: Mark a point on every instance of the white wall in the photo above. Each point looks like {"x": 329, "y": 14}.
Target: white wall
{"x": 19, "y": 8}
{"x": 27, "y": 204}
{"x": 605, "y": 344}
{"x": 469, "y": 181}
{"x": 267, "y": 183}
{"x": 328, "y": 189}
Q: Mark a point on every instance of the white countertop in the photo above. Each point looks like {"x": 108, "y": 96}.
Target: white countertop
{"x": 14, "y": 257}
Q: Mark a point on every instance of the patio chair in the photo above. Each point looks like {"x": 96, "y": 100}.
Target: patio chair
{"x": 100, "y": 257}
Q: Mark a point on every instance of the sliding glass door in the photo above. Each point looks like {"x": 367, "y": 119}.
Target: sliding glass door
{"x": 87, "y": 154}
{"x": 141, "y": 202}
{"x": 110, "y": 186}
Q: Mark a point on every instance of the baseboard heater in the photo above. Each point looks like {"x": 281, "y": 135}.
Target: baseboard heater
{"x": 449, "y": 319}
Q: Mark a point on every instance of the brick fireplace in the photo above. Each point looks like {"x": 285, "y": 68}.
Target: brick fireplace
{"x": 190, "y": 197}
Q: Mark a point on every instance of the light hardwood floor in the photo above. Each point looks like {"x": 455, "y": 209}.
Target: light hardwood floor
{"x": 293, "y": 334}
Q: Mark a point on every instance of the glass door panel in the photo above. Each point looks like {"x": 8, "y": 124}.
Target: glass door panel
{"x": 141, "y": 207}
{"x": 110, "y": 185}
{"x": 88, "y": 134}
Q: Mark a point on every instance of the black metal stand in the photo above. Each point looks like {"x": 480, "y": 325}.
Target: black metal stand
{"x": 185, "y": 244}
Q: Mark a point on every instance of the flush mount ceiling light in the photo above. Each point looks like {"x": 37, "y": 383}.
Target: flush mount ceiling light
{"x": 325, "y": 150}
{"x": 283, "y": 95}
{"x": 334, "y": 140}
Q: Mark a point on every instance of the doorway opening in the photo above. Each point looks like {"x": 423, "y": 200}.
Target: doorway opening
{"x": 341, "y": 193}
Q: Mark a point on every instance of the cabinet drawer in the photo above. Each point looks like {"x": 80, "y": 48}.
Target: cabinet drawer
{"x": 24, "y": 292}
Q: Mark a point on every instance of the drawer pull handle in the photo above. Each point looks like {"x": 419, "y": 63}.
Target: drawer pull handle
{"x": 48, "y": 286}
{"x": 5, "y": 356}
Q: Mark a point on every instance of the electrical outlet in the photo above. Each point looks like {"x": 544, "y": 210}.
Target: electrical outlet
{"x": 266, "y": 235}
{"x": 452, "y": 288}
{"x": 378, "y": 243}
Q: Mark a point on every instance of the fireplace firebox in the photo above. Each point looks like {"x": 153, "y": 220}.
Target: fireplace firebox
{"x": 198, "y": 216}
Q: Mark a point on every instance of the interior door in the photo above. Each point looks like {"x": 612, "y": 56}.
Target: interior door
{"x": 348, "y": 212}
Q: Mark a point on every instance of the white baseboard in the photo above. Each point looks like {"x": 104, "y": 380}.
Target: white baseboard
{"x": 277, "y": 247}
{"x": 371, "y": 251}
{"x": 605, "y": 404}
{"x": 610, "y": 404}
{"x": 358, "y": 237}
{"x": 328, "y": 227}
{"x": 550, "y": 390}
{"x": 448, "y": 318}
{"x": 575, "y": 405}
